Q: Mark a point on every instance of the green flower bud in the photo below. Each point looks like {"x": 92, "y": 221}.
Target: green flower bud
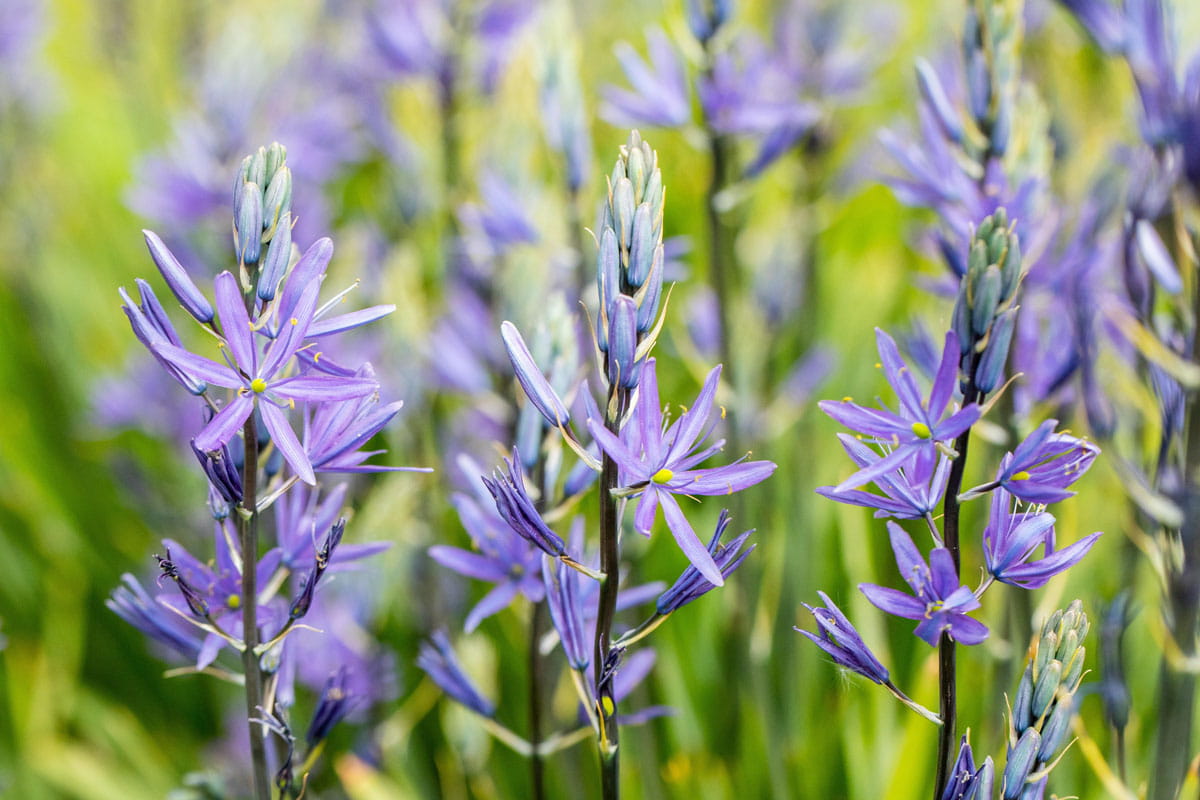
{"x": 1046, "y": 688}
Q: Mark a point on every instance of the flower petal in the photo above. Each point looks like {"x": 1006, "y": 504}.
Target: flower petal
{"x": 688, "y": 542}
{"x": 225, "y": 425}
{"x": 285, "y": 440}
{"x": 235, "y": 323}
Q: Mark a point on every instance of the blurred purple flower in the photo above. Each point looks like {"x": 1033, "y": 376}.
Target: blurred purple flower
{"x": 659, "y": 89}
{"x": 503, "y": 558}
{"x": 439, "y": 662}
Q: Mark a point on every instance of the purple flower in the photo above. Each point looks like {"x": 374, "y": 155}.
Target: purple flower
{"x": 838, "y": 637}
{"x": 564, "y": 593}
{"x": 919, "y": 426}
{"x": 302, "y": 515}
{"x": 659, "y": 94}
{"x": 691, "y": 584}
{"x": 1045, "y": 464}
{"x": 502, "y": 557}
{"x": 132, "y": 603}
{"x": 965, "y": 781}
{"x": 517, "y": 509}
{"x": 336, "y": 701}
{"x": 256, "y": 378}
{"x": 216, "y": 588}
{"x": 939, "y": 600}
{"x": 658, "y": 462}
{"x": 439, "y": 662}
{"x": 1010, "y": 539}
{"x": 912, "y": 490}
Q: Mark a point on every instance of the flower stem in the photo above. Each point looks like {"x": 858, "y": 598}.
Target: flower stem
{"x": 536, "y": 762}
{"x": 947, "y": 667}
{"x": 610, "y": 556}
{"x": 248, "y": 528}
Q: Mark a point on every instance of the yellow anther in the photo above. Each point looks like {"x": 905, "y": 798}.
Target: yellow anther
{"x": 234, "y": 601}
{"x": 316, "y": 357}
{"x": 294, "y": 321}
{"x": 847, "y": 399}
{"x": 258, "y": 386}
{"x": 878, "y": 365}
{"x": 662, "y": 476}
{"x": 922, "y": 430}
{"x": 1021, "y": 476}
{"x": 722, "y": 412}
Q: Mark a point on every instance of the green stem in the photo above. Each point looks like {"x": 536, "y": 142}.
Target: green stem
{"x": 610, "y": 556}
{"x": 536, "y": 761}
{"x": 249, "y": 545}
{"x": 947, "y": 666}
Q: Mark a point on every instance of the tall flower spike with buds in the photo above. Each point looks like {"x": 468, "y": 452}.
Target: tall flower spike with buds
{"x": 1041, "y": 712}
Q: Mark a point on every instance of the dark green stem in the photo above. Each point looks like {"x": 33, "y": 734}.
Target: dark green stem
{"x": 536, "y": 763}
{"x": 610, "y": 558}
{"x": 947, "y": 667}
{"x": 248, "y": 526}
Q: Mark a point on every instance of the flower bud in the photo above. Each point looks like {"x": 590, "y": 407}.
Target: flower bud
{"x": 641, "y": 248}
{"x": 178, "y": 281}
{"x": 247, "y": 234}
{"x": 1021, "y": 761}
{"x": 622, "y": 342}
{"x": 279, "y": 255}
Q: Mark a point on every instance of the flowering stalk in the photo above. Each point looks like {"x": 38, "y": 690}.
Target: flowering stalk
{"x": 248, "y": 528}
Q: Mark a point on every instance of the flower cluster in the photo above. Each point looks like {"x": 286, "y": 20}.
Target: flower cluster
{"x": 268, "y": 329}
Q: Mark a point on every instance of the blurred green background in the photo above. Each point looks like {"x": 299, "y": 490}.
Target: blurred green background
{"x": 85, "y": 711}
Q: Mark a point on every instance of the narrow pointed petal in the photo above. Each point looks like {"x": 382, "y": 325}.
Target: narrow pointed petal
{"x": 345, "y": 322}
{"x": 177, "y": 278}
{"x": 943, "y": 382}
{"x": 893, "y": 602}
{"x": 464, "y": 562}
{"x": 292, "y": 330}
{"x": 225, "y": 425}
{"x": 323, "y": 388}
{"x": 497, "y": 599}
{"x": 531, "y": 378}
{"x": 692, "y": 424}
{"x": 235, "y": 323}
{"x": 899, "y": 375}
{"x": 198, "y": 366}
{"x": 285, "y": 440}
{"x": 643, "y": 518}
{"x": 723, "y": 480}
{"x": 687, "y": 540}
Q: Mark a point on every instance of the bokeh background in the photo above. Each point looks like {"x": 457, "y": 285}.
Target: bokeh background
{"x": 130, "y": 114}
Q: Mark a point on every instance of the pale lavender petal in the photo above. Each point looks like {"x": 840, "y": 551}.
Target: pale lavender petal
{"x": 285, "y": 440}
{"x": 225, "y": 425}
{"x": 692, "y": 423}
{"x": 643, "y": 518}
{"x": 323, "y": 388}
{"x": 688, "y": 542}
{"x": 345, "y": 322}
{"x": 472, "y": 565}
{"x": 292, "y": 330}
{"x": 198, "y": 366}
{"x": 722, "y": 480}
{"x": 235, "y": 323}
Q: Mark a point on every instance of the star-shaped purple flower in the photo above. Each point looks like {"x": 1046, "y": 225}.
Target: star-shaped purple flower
{"x": 658, "y": 462}
{"x": 919, "y": 426}
{"x": 939, "y": 600}
{"x": 262, "y": 378}
{"x": 1045, "y": 464}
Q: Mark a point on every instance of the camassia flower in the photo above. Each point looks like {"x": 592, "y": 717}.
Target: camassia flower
{"x": 658, "y": 462}
{"x": 918, "y": 427}
{"x": 1010, "y": 539}
{"x": 262, "y": 378}
{"x": 1045, "y": 464}
{"x": 939, "y": 600}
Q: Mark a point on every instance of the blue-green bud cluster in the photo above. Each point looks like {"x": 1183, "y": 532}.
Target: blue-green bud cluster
{"x": 985, "y": 312}
{"x": 991, "y": 43}
{"x": 629, "y": 266}
{"x": 1044, "y": 703}
{"x": 262, "y": 219}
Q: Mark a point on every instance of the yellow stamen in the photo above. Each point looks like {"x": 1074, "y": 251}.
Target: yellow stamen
{"x": 922, "y": 430}
{"x": 662, "y": 476}
{"x": 258, "y": 386}
{"x": 1021, "y": 476}
{"x": 234, "y": 601}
